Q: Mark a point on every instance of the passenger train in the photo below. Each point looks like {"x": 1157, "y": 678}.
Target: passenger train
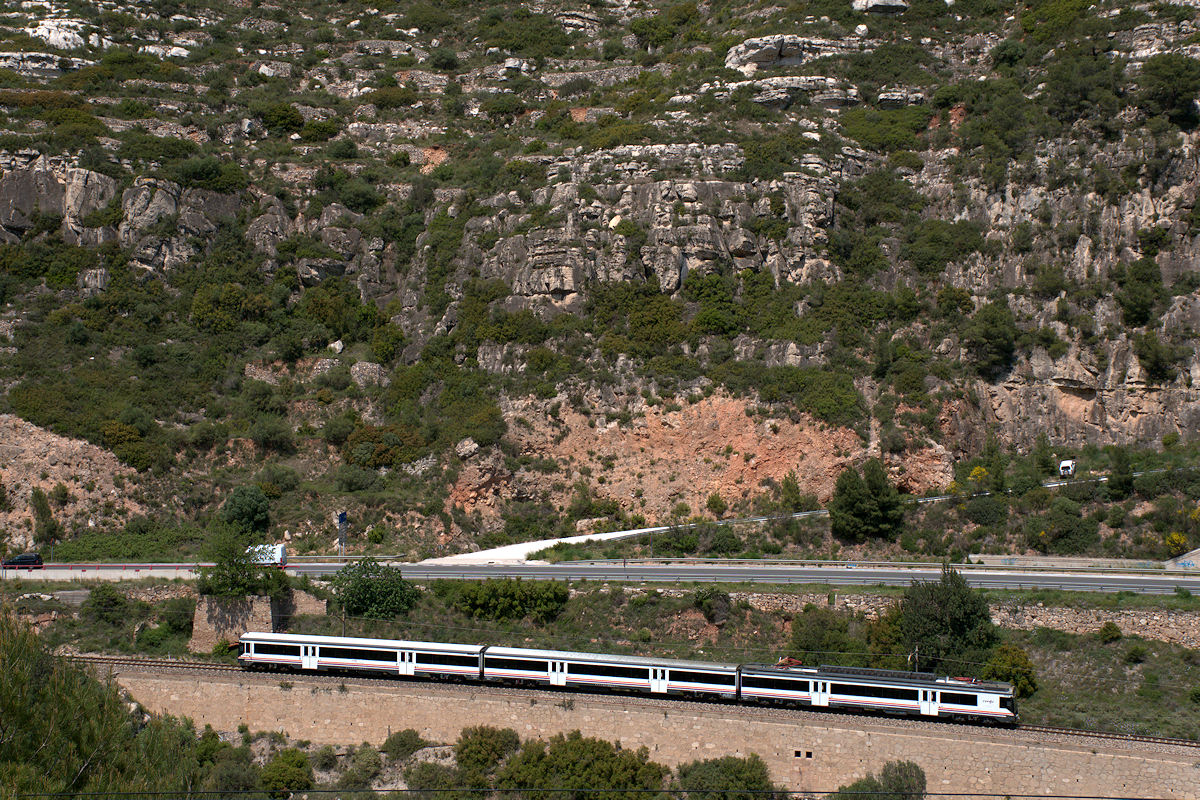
{"x": 918, "y": 694}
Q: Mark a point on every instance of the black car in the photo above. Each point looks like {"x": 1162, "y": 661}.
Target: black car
{"x": 24, "y": 561}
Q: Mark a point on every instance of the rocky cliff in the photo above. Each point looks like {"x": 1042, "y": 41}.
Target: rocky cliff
{"x": 859, "y": 228}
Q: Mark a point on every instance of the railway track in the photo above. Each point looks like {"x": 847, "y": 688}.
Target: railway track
{"x": 1125, "y": 737}
{"x": 207, "y": 666}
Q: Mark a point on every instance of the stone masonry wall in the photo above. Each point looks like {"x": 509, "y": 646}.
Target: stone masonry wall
{"x": 227, "y": 618}
{"x": 803, "y": 756}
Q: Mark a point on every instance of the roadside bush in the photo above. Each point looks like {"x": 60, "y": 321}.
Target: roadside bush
{"x": 1063, "y": 530}
{"x": 369, "y": 589}
{"x": 865, "y": 506}
{"x": 987, "y": 510}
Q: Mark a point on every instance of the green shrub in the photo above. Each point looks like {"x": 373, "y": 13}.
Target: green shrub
{"x": 1010, "y": 663}
{"x": 1109, "y": 633}
{"x": 524, "y": 33}
{"x": 247, "y": 508}
{"x": 288, "y": 771}
{"x": 402, "y": 744}
{"x": 887, "y": 130}
{"x": 105, "y": 603}
{"x": 281, "y": 118}
{"x": 987, "y": 510}
{"x": 1168, "y": 84}
{"x": 480, "y": 749}
{"x": 390, "y": 97}
{"x": 1136, "y": 654}
{"x": 508, "y": 599}
{"x": 210, "y": 173}
{"x": 713, "y": 603}
{"x": 369, "y": 589}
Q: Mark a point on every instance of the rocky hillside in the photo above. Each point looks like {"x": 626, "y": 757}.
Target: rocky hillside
{"x": 479, "y": 272}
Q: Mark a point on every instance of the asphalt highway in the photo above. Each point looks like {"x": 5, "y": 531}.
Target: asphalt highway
{"x": 838, "y": 575}
{"x": 1149, "y": 582}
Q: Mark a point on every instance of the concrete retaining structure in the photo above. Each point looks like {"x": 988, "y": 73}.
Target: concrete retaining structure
{"x": 808, "y": 756}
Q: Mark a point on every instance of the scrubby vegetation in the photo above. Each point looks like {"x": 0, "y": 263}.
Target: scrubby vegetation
{"x": 479, "y": 204}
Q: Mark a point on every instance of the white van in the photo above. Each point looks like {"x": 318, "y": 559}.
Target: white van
{"x": 273, "y": 555}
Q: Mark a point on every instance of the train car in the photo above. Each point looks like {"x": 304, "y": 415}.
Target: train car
{"x": 398, "y": 657}
{"x": 599, "y": 670}
{"x": 889, "y": 691}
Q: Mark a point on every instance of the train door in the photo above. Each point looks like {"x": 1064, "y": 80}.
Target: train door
{"x": 820, "y": 693}
{"x": 658, "y": 680}
{"x": 308, "y": 656}
{"x": 558, "y": 673}
{"x": 929, "y": 703}
{"x": 406, "y": 662}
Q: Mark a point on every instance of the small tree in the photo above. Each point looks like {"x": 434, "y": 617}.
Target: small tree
{"x": 991, "y": 339}
{"x": 248, "y": 508}
{"x": 1120, "y": 474}
{"x": 288, "y": 771}
{"x": 402, "y": 744}
{"x": 234, "y": 572}
{"x": 898, "y": 780}
{"x": 1168, "y": 84}
{"x": 481, "y": 748}
{"x": 945, "y": 623}
{"x": 866, "y": 506}
{"x": 716, "y": 505}
{"x": 1011, "y": 663}
{"x": 728, "y": 778}
{"x": 369, "y": 589}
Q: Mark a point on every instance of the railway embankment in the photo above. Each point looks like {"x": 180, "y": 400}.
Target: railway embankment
{"x": 805, "y": 751}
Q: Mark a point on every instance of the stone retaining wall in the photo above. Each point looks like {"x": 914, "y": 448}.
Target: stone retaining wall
{"x": 814, "y": 756}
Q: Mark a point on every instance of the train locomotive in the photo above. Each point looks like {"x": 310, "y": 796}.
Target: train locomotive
{"x": 917, "y": 694}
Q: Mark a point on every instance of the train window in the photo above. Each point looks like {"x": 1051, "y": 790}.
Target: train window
{"x": 354, "y": 654}
{"x": 959, "y": 699}
{"x": 517, "y": 663}
{"x": 277, "y": 649}
{"x": 701, "y": 677}
{"x": 446, "y": 660}
{"x": 883, "y": 692}
{"x": 756, "y": 682}
{"x": 607, "y": 670}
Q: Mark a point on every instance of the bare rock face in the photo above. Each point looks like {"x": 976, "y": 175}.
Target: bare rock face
{"x": 49, "y": 186}
{"x": 368, "y": 373}
{"x": 270, "y": 228}
{"x": 766, "y": 52}
{"x": 162, "y": 220}
{"x": 880, "y": 6}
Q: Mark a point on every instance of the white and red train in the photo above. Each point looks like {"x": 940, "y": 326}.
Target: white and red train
{"x": 917, "y": 694}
